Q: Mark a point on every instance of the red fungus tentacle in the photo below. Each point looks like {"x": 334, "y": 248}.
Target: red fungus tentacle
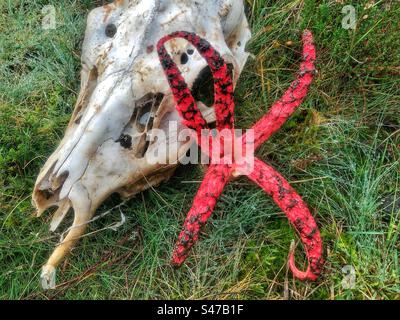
{"x": 203, "y": 205}
{"x": 219, "y": 174}
{"x": 298, "y": 214}
{"x": 185, "y": 103}
{"x": 223, "y": 85}
{"x": 292, "y": 98}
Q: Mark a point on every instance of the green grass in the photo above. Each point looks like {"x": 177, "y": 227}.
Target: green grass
{"x": 340, "y": 150}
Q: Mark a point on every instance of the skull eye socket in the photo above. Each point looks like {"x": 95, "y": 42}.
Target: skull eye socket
{"x": 111, "y": 30}
{"x": 184, "y": 58}
{"x": 204, "y": 85}
{"x": 135, "y": 134}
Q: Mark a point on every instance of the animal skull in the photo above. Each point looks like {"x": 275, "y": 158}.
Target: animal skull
{"x": 124, "y": 95}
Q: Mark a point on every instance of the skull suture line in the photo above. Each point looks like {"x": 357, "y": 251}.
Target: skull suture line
{"x": 124, "y": 95}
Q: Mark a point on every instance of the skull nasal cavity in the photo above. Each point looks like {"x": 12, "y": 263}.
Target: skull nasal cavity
{"x": 111, "y": 30}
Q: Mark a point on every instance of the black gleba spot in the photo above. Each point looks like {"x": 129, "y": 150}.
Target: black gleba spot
{"x": 125, "y": 140}
{"x": 111, "y": 30}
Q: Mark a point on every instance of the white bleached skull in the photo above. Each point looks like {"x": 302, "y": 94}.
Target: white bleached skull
{"x": 124, "y": 94}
